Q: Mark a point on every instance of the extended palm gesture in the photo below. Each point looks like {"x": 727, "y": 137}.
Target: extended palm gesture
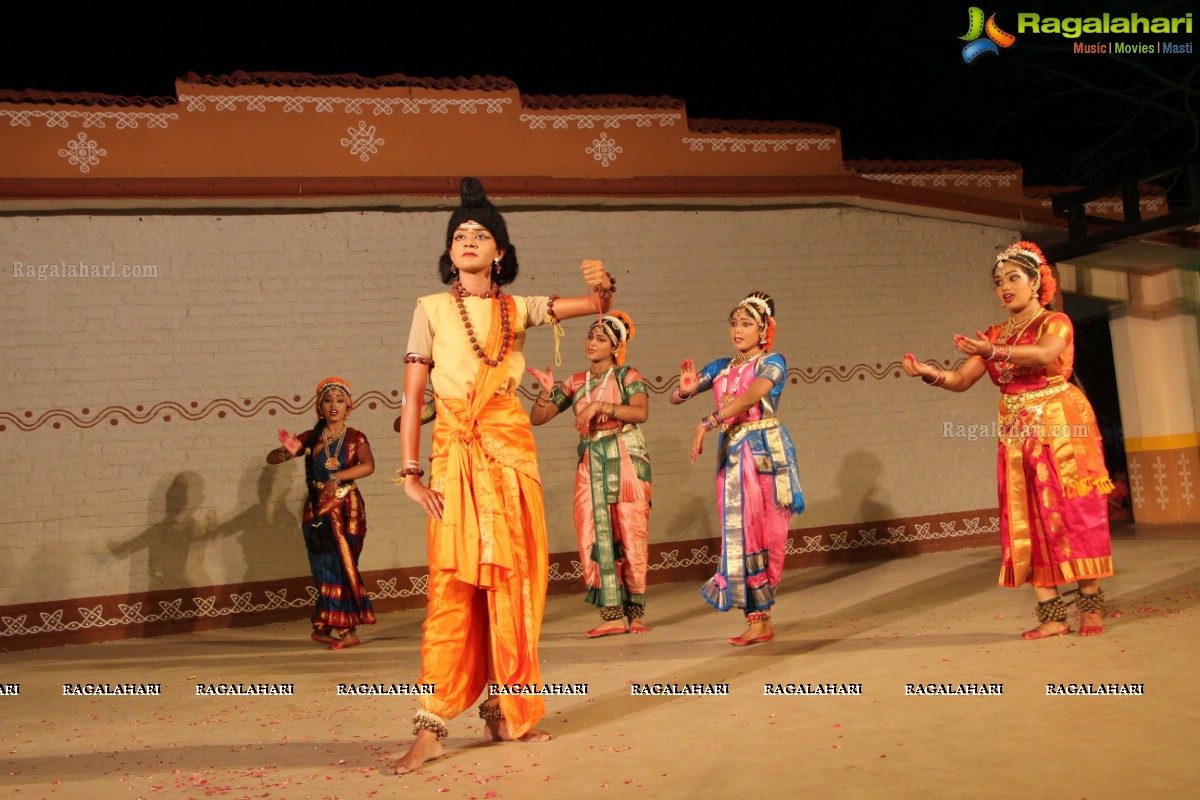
{"x": 917, "y": 369}
{"x": 979, "y": 346}
{"x": 289, "y": 442}
{"x": 544, "y": 379}
{"x": 688, "y": 380}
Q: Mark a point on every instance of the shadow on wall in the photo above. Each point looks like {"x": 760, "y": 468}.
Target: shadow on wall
{"x": 168, "y": 544}
{"x": 269, "y": 528}
{"x": 861, "y": 498}
{"x": 175, "y": 547}
{"x": 691, "y": 519}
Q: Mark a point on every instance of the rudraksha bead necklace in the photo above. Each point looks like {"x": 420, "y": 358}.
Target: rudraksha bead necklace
{"x": 505, "y": 326}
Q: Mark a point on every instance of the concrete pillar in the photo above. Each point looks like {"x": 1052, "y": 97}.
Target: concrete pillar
{"x": 1156, "y": 347}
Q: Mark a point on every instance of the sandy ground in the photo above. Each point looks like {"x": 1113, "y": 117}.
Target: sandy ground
{"x": 936, "y": 619}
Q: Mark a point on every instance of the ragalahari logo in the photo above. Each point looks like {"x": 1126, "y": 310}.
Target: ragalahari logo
{"x": 976, "y": 27}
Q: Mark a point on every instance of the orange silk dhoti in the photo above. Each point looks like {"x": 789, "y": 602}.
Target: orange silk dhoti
{"x": 488, "y": 563}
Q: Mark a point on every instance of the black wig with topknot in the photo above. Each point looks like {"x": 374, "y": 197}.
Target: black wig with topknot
{"x": 475, "y": 205}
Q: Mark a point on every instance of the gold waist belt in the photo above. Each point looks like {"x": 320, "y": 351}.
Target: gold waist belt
{"x": 747, "y": 427}
{"x": 1013, "y": 403}
{"x": 344, "y": 488}
{"x": 592, "y": 437}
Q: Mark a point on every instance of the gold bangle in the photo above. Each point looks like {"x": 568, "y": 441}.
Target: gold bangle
{"x": 937, "y": 380}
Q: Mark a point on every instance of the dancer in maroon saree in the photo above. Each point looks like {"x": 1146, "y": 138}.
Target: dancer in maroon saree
{"x": 334, "y": 521}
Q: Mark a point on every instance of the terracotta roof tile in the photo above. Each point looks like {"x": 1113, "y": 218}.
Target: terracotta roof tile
{"x": 888, "y": 166}
{"x": 1144, "y": 189}
{"x": 476, "y": 83}
{"x": 554, "y": 102}
{"x": 756, "y": 126}
{"x": 82, "y": 99}
{"x": 1039, "y": 192}
{"x": 486, "y": 83}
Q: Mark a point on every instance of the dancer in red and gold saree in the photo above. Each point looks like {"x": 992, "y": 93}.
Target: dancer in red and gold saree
{"x": 1050, "y": 467}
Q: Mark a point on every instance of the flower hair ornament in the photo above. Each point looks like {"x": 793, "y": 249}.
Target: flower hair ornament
{"x": 768, "y": 338}
{"x": 1030, "y": 256}
{"x": 333, "y": 383}
{"x": 618, "y": 328}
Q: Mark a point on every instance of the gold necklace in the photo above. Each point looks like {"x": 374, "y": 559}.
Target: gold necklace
{"x": 332, "y": 445}
{"x": 737, "y": 361}
{"x": 1005, "y": 371}
{"x": 742, "y": 358}
{"x": 1010, "y": 325}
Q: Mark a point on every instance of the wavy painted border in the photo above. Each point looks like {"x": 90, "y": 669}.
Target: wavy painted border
{"x": 168, "y": 410}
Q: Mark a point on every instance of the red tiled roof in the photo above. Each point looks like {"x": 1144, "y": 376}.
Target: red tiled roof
{"x": 888, "y": 166}
{"x": 756, "y": 126}
{"x": 476, "y": 83}
{"x": 81, "y": 98}
{"x": 1047, "y": 191}
{"x": 486, "y": 83}
{"x": 1144, "y": 190}
{"x": 554, "y": 102}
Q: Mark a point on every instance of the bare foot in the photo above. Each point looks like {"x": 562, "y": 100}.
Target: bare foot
{"x": 323, "y": 637}
{"x": 349, "y": 639}
{"x": 614, "y": 628}
{"x": 1046, "y": 630}
{"x": 426, "y": 747}
{"x": 1091, "y": 623}
{"x": 761, "y": 631}
{"x": 637, "y": 626}
{"x": 496, "y": 730}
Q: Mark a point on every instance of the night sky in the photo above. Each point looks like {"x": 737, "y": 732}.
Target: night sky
{"x": 890, "y": 76}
